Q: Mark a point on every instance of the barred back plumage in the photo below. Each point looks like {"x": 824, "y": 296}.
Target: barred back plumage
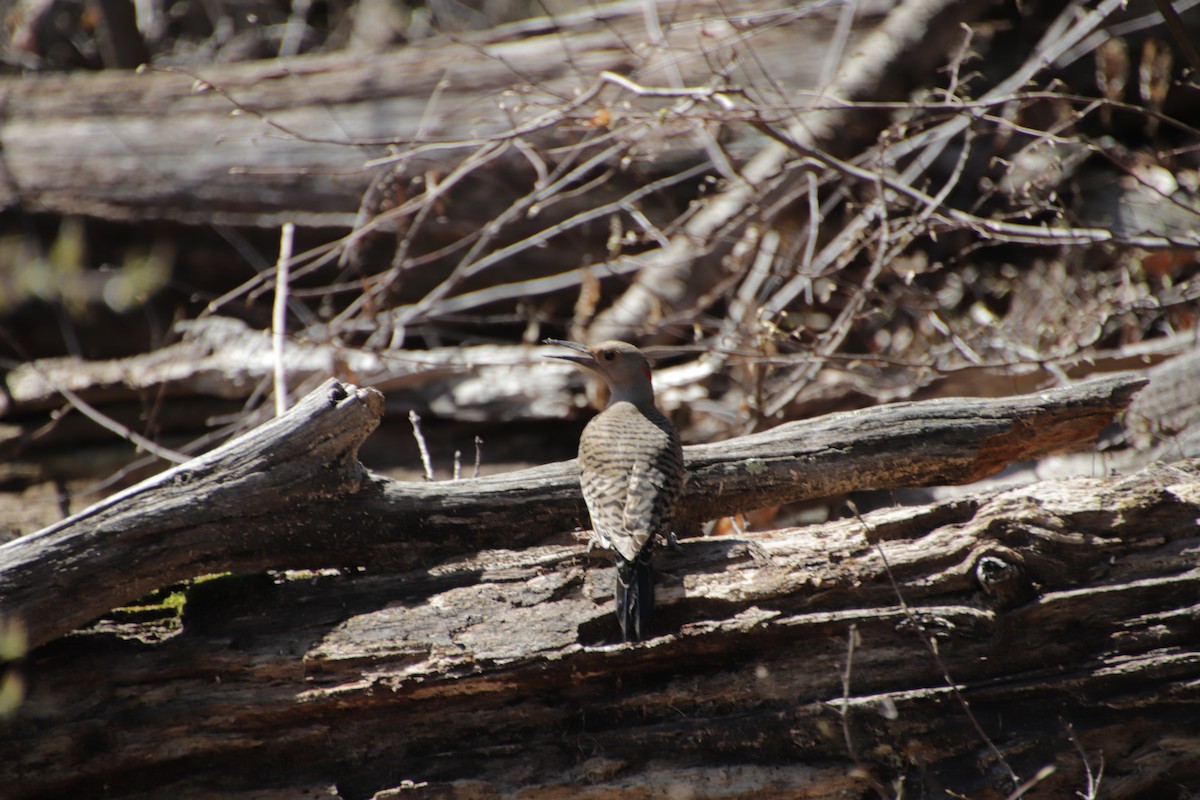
{"x": 631, "y": 468}
{"x": 631, "y": 472}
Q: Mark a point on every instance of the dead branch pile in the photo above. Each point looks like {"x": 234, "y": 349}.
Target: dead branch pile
{"x": 939, "y": 199}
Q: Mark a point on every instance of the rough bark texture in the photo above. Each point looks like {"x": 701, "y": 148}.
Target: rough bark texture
{"x": 291, "y": 494}
{"x": 791, "y": 663}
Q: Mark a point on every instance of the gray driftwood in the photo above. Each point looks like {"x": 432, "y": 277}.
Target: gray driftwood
{"x": 292, "y": 495}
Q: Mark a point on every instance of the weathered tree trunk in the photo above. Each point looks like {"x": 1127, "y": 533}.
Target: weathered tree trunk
{"x": 291, "y": 494}
{"x": 100, "y": 144}
{"x": 1045, "y": 633}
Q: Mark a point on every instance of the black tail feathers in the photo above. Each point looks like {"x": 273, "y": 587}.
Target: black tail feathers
{"x": 635, "y": 597}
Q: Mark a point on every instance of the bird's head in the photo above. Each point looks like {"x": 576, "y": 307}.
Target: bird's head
{"x": 623, "y": 367}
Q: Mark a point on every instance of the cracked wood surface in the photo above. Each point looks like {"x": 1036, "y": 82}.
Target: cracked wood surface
{"x": 1063, "y": 612}
{"x": 292, "y": 495}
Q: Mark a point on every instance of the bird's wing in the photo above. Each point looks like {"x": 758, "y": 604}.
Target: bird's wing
{"x": 630, "y": 486}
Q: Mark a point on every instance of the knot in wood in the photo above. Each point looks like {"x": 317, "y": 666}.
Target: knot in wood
{"x": 1003, "y": 578}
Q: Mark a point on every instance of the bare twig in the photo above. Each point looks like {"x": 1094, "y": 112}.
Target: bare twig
{"x": 852, "y": 639}
{"x": 1092, "y": 789}
{"x": 108, "y": 423}
{"x": 1179, "y": 32}
{"x": 436, "y": 302}
{"x": 279, "y": 318}
{"x": 1024, "y": 789}
{"x": 415, "y": 419}
{"x": 92, "y": 413}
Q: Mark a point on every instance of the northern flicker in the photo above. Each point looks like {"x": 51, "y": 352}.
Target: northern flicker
{"x": 631, "y": 473}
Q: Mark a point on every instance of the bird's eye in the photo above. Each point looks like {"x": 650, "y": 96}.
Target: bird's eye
{"x": 609, "y": 355}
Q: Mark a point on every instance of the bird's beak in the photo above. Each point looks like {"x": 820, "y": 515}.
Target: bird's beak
{"x": 585, "y": 360}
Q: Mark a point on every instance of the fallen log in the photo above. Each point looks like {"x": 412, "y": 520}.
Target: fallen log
{"x": 287, "y": 140}
{"x": 291, "y": 494}
{"x": 1041, "y": 635}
